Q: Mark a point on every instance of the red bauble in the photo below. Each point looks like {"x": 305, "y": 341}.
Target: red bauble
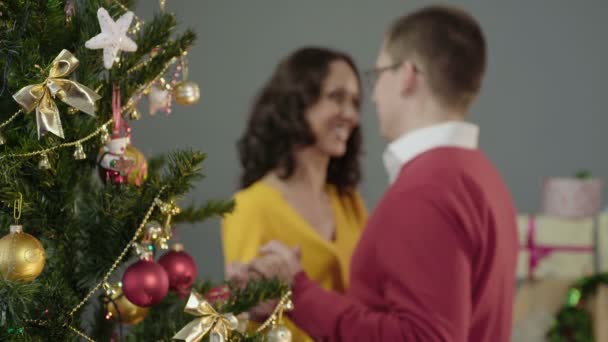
{"x": 180, "y": 268}
{"x": 145, "y": 283}
{"x": 219, "y": 293}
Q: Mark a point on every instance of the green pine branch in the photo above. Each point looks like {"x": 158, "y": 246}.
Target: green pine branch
{"x": 167, "y": 318}
{"x": 184, "y": 168}
{"x": 244, "y": 299}
{"x": 83, "y": 224}
{"x": 213, "y": 208}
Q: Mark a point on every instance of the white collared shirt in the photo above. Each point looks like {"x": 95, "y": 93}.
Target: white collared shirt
{"x": 410, "y": 145}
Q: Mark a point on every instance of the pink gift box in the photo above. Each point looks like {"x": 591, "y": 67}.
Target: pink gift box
{"x": 572, "y": 198}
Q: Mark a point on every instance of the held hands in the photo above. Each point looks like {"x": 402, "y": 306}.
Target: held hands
{"x": 275, "y": 260}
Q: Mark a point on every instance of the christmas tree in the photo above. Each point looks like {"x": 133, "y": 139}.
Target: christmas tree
{"x": 82, "y": 212}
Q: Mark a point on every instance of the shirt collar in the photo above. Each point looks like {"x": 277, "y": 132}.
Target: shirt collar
{"x": 410, "y": 145}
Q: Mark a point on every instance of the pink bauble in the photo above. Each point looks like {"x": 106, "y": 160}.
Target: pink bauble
{"x": 181, "y": 269}
{"x": 145, "y": 283}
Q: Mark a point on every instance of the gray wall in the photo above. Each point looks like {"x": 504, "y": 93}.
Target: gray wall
{"x": 542, "y": 110}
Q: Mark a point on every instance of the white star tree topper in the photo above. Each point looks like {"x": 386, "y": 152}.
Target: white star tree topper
{"x": 113, "y": 36}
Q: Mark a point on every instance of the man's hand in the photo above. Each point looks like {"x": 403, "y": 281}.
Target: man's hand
{"x": 238, "y": 273}
{"x": 277, "y": 260}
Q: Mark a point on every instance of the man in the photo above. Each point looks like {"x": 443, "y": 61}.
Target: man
{"x": 437, "y": 259}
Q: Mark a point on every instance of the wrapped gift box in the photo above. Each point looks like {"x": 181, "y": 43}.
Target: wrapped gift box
{"x": 603, "y": 242}
{"x": 556, "y": 248}
{"x": 572, "y": 198}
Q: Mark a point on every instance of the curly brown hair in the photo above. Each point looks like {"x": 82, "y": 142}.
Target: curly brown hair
{"x": 277, "y": 122}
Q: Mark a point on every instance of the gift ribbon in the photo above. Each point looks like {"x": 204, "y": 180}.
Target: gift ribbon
{"x": 537, "y": 251}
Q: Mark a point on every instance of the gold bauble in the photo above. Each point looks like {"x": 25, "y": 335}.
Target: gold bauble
{"x": 279, "y": 333}
{"x": 186, "y": 93}
{"x": 22, "y": 256}
{"x": 119, "y": 307}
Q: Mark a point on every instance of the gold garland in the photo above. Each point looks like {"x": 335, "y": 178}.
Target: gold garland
{"x": 80, "y": 333}
{"x": 56, "y": 147}
{"x": 157, "y": 202}
{"x": 276, "y": 316}
{"x": 129, "y": 106}
{"x": 124, "y": 252}
{"x": 138, "y": 22}
{"x": 11, "y": 118}
{"x": 144, "y": 89}
{"x": 283, "y": 304}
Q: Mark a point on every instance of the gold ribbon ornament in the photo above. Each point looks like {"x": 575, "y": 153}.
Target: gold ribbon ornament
{"x": 169, "y": 209}
{"x": 41, "y": 96}
{"x": 208, "y": 321}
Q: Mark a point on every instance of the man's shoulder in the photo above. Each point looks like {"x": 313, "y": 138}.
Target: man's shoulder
{"x": 445, "y": 165}
{"x": 445, "y": 175}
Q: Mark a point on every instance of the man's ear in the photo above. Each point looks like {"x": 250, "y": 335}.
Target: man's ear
{"x": 409, "y": 78}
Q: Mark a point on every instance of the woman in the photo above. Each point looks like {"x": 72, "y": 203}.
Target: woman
{"x": 300, "y": 158}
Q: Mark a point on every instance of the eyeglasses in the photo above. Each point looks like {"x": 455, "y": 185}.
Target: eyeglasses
{"x": 372, "y": 75}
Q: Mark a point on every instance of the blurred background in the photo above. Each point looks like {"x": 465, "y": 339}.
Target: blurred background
{"x": 542, "y": 110}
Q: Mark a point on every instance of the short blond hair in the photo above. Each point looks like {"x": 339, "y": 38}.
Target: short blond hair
{"x": 450, "y": 45}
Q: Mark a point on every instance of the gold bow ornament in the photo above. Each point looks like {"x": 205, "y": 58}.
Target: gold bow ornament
{"x": 41, "y": 96}
{"x": 208, "y": 321}
{"x": 169, "y": 209}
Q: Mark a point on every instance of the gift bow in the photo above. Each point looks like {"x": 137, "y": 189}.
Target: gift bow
{"x": 208, "y": 321}
{"x": 41, "y": 96}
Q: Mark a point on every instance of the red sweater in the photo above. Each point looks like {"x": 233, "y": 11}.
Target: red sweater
{"x": 436, "y": 261}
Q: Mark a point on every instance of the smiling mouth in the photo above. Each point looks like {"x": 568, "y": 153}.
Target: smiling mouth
{"x": 342, "y": 132}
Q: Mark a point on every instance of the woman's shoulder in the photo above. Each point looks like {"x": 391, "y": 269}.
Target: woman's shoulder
{"x": 255, "y": 196}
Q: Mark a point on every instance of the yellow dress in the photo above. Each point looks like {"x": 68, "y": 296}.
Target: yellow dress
{"x": 262, "y": 214}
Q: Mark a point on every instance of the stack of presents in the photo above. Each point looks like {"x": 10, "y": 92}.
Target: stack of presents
{"x": 567, "y": 241}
